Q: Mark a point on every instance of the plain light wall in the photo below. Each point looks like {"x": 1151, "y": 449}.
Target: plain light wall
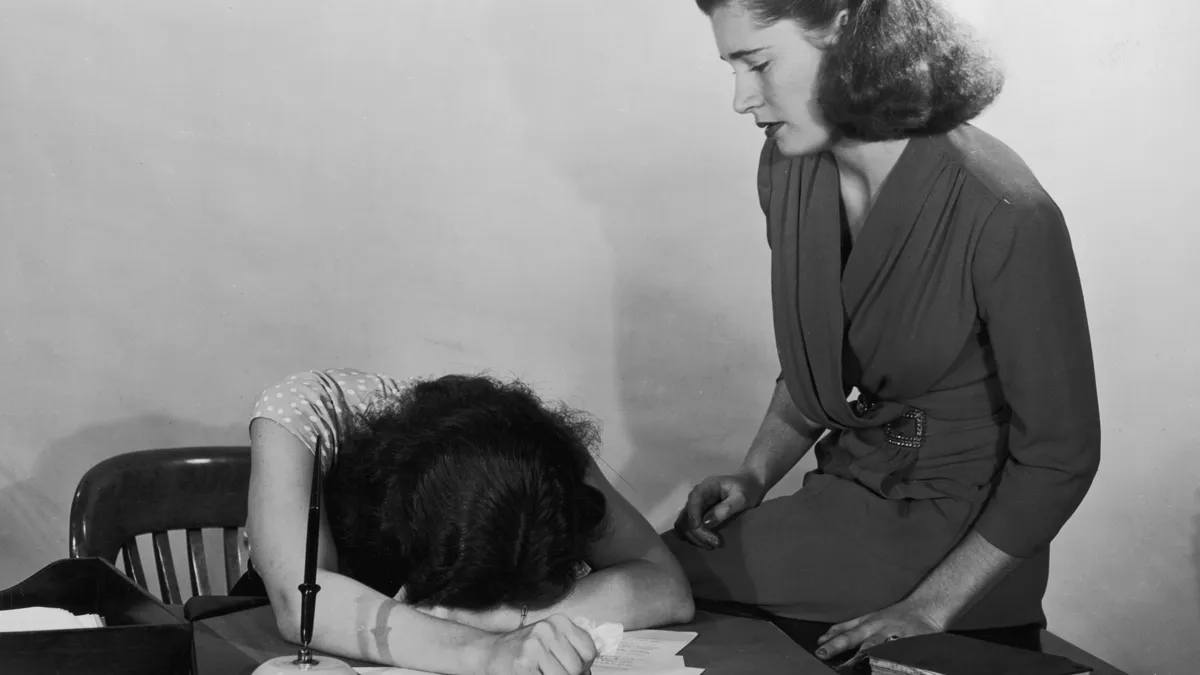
{"x": 199, "y": 200}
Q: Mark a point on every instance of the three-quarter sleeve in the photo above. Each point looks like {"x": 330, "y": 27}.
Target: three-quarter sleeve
{"x": 1031, "y": 301}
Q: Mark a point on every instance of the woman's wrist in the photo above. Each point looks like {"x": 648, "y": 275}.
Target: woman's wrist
{"x": 934, "y": 609}
{"x": 477, "y": 654}
{"x": 757, "y": 475}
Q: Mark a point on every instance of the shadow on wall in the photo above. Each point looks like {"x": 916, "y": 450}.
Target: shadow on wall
{"x": 1196, "y": 546}
{"x": 689, "y": 376}
{"x": 37, "y": 510}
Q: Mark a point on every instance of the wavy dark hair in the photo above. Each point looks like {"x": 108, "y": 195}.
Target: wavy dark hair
{"x": 468, "y": 492}
{"x": 899, "y": 68}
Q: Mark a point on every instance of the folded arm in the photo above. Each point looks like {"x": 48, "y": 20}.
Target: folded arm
{"x": 635, "y": 581}
{"x": 352, "y": 620}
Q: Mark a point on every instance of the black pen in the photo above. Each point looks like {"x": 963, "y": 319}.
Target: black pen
{"x": 309, "y": 589}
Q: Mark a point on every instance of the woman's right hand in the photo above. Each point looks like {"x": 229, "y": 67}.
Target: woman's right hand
{"x": 713, "y": 502}
{"x": 552, "y": 646}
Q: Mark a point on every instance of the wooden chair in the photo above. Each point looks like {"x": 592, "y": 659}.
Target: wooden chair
{"x": 154, "y": 492}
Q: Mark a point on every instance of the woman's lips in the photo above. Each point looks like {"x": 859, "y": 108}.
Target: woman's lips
{"x": 770, "y": 128}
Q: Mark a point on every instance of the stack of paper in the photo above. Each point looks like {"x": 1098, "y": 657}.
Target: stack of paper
{"x": 45, "y": 618}
{"x": 648, "y": 652}
{"x": 641, "y": 652}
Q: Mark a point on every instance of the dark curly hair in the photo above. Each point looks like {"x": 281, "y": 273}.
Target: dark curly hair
{"x": 899, "y": 68}
{"x": 468, "y": 492}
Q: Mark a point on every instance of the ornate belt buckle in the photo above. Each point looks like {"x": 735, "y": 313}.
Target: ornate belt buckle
{"x": 917, "y": 439}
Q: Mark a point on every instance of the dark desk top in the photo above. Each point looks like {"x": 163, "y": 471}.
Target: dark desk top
{"x": 235, "y": 644}
{"x": 1052, "y": 644}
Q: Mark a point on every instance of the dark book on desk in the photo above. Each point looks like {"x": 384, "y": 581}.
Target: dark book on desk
{"x": 947, "y": 654}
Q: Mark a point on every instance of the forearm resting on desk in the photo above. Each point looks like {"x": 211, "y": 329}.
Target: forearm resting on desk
{"x": 783, "y": 438}
{"x": 963, "y": 577}
{"x": 638, "y": 594}
{"x": 354, "y": 621}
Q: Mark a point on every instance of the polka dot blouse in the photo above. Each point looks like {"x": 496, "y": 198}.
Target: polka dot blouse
{"x": 316, "y": 404}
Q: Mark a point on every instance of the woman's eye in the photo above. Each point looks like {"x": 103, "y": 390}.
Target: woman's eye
{"x": 760, "y": 67}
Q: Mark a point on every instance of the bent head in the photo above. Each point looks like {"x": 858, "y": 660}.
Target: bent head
{"x": 776, "y": 65}
{"x": 815, "y": 72}
{"x": 469, "y": 493}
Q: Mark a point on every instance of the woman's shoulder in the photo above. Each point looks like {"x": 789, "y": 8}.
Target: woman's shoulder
{"x": 321, "y": 403}
{"x": 995, "y": 166}
{"x": 345, "y": 380}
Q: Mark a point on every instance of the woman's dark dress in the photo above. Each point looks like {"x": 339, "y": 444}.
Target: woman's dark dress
{"x": 960, "y": 318}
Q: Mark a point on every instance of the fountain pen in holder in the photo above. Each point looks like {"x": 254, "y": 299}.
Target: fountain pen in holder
{"x": 304, "y": 660}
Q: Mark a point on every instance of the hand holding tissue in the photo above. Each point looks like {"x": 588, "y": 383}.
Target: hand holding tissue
{"x": 607, "y": 636}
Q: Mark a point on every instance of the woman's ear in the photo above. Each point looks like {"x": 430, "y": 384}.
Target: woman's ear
{"x": 401, "y": 594}
{"x": 834, "y": 32}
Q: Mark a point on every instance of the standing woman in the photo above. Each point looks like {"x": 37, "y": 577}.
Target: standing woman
{"x": 916, "y": 259}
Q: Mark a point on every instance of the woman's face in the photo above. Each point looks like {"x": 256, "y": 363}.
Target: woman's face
{"x": 775, "y": 77}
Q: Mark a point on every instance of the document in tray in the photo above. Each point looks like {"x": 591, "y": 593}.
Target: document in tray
{"x": 45, "y": 618}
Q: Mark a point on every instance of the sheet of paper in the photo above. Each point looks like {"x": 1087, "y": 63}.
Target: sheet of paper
{"x": 45, "y": 618}
{"x": 649, "y": 645}
{"x": 651, "y": 669}
{"x": 623, "y": 664}
{"x": 90, "y": 620}
{"x": 627, "y": 666}
{"x": 647, "y": 652}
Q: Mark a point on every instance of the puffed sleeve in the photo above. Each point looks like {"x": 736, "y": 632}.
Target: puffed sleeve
{"x": 319, "y": 404}
{"x": 1030, "y": 299}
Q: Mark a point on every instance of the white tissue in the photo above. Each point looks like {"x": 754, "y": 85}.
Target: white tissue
{"x": 607, "y": 636}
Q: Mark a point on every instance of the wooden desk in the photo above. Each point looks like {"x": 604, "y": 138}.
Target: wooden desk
{"x": 235, "y": 644}
{"x": 1052, "y": 644}
{"x": 726, "y": 645}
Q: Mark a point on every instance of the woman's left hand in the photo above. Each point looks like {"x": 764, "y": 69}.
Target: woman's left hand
{"x": 901, "y": 620}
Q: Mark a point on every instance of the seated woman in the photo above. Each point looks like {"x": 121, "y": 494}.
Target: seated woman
{"x": 466, "y": 523}
{"x": 918, "y": 260}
